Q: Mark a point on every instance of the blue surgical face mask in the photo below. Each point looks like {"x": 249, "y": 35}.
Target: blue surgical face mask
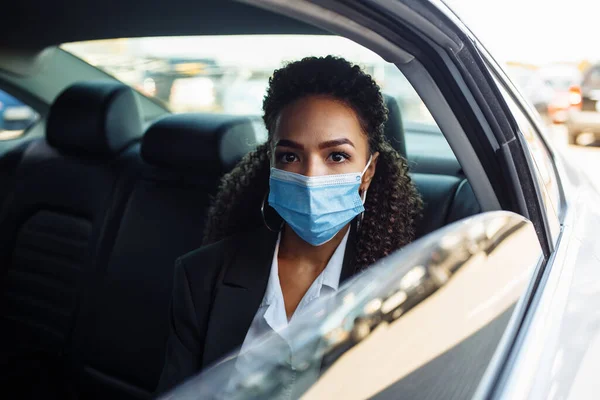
{"x": 316, "y": 207}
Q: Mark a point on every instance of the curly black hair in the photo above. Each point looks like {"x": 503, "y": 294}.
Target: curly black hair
{"x": 393, "y": 203}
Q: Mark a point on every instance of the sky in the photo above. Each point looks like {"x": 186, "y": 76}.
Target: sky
{"x": 534, "y": 31}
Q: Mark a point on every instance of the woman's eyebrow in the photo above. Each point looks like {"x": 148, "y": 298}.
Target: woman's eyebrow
{"x": 335, "y": 142}
{"x": 289, "y": 143}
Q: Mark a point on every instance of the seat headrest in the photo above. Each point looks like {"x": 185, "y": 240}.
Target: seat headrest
{"x": 94, "y": 119}
{"x": 394, "y": 128}
{"x": 210, "y": 143}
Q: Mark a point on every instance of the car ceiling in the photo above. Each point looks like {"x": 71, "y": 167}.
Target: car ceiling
{"x": 36, "y": 24}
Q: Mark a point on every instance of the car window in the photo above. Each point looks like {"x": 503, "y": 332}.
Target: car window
{"x": 224, "y": 74}
{"x": 15, "y": 116}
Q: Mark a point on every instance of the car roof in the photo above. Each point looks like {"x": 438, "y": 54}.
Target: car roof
{"x": 36, "y": 24}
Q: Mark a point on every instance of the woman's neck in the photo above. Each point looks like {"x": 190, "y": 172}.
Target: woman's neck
{"x": 292, "y": 247}
{"x": 300, "y": 263}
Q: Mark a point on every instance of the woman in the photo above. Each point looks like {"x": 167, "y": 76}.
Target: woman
{"x": 325, "y": 197}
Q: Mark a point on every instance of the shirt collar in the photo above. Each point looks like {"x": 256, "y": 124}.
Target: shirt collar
{"x": 329, "y": 277}
{"x": 273, "y": 286}
{"x": 333, "y": 270}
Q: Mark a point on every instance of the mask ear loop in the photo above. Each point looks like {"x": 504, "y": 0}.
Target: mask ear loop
{"x": 363, "y": 195}
{"x": 262, "y": 212}
{"x": 367, "y": 166}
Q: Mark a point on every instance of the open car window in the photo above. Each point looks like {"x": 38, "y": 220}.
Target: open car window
{"x": 225, "y": 74}
{"x": 432, "y": 313}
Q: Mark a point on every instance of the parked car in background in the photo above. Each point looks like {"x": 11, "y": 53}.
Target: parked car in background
{"x": 585, "y": 116}
{"x": 14, "y": 115}
{"x": 564, "y": 80}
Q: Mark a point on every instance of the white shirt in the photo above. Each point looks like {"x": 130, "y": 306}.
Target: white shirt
{"x": 271, "y": 316}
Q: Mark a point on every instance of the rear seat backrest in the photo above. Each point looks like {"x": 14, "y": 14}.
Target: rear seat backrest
{"x": 61, "y": 204}
{"x": 446, "y": 198}
{"x": 125, "y": 326}
{"x": 464, "y": 204}
{"x": 205, "y": 144}
{"x": 394, "y": 127}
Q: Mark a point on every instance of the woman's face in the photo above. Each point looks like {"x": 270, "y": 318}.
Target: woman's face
{"x": 318, "y": 135}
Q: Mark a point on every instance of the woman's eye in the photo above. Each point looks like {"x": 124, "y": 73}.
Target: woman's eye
{"x": 338, "y": 157}
{"x": 287, "y": 158}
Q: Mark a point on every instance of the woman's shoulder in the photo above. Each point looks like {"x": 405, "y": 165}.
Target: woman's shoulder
{"x": 210, "y": 257}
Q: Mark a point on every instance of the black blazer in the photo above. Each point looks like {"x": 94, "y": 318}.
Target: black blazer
{"x": 217, "y": 291}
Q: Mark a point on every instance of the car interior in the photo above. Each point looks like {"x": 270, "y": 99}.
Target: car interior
{"x": 103, "y": 193}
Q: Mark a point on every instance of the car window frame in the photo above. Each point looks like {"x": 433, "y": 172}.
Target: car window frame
{"x": 551, "y": 214}
{"x": 523, "y": 106}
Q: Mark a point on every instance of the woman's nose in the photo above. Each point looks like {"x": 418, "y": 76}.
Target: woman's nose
{"x": 313, "y": 167}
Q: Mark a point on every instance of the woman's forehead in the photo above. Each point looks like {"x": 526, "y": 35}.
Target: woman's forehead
{"x": 314, "y": 119}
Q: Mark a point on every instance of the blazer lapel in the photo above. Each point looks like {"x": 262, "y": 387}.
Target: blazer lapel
{"x": 348, "y": 265}
{"x": 239, "y": 294}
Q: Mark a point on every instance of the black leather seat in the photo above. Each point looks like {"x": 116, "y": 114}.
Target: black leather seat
{"x": 59, "y": 213}
{"x": 446, "y": 198}
{"x": 394, "y": 128}
{"x": 121, "y": 336}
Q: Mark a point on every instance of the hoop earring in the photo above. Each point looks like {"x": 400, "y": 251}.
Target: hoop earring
{"x": 262, "y": 212}
{"x": 361, "y": 216}
{"x": 360, "y": 220}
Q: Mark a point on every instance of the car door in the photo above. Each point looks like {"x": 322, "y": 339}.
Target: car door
{"x": 430, "y": 321}
{"x": 553, "y": 352}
